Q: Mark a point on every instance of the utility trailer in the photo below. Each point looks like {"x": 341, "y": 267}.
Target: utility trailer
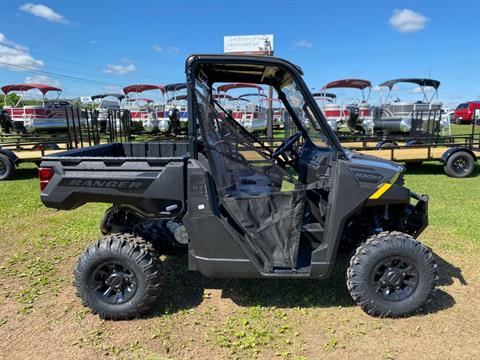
{"x": 82, "y": 131}
{"x": 240, "y": 209}
{"x": 457, "y": 153}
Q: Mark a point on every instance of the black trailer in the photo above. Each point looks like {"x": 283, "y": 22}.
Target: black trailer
{"x": 457, "y": 153}
{"x": 239, "y": 209}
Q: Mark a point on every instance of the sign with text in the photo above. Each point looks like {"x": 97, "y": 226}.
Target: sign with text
{"x": 248, "y": 44}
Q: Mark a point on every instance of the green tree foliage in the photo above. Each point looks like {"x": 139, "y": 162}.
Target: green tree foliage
{"x": 12, "y": 99}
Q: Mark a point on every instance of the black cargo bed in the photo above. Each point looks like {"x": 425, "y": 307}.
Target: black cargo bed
{"x": 126, "y": 150}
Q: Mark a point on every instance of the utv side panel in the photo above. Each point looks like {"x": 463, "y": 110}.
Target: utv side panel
{"x": 214, "y": 247}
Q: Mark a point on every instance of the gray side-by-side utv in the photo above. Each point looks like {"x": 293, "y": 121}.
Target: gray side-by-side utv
{"x": 241, "y": 209}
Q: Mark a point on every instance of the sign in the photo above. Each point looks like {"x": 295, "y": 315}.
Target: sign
{"x": 248, "y": 44}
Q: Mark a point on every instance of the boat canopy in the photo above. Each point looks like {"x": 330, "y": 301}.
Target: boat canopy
{"x": 421, "y": 82}
{"x": 141, "y": 99}
{"x": 138, "y": 88}
{"x": 324, "y": 95}
{"x": 252, "y": 94}
{"x": 102, "y": 96}
{"x": 349, "y": 83}
{"x": 175, "y": 87}
{"x": 227, "y": 87}
{"x": 223, "y": 96}
{"x": 26, "y": 87}
{"x": 179, "y": 98}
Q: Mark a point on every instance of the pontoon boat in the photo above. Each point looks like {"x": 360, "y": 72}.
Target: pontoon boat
{"x": 353, "y": 112}
{"x": 144, "y": 114}
{"x": 398, "y": 116}
{"x": 45, "y": 115}
{"x": 254, "y": 117}
{"x": 104, "y": 102}
{"x": 176, "y": 106}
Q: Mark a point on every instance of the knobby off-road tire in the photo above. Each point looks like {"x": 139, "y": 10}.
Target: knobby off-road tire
{"x": 7, "y": 168}
{"x": 391, "y": 275}
{"x": 460, "y": 165}
{"x": 118, "y": 277}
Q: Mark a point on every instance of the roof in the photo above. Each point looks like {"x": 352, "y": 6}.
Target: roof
{"x": 138, "y": 88}
{"x": 227, "y": 87}
{"x": 325, "y": 95}
{"x": 101, "y": 96}
{"x": 25, "y": 87}
{"x": 421, "y": 82}
{"x": 349, "y": 83}
{"x": 175, "y": 87}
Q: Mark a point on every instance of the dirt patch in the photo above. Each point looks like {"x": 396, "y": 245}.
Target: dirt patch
{"x": 199, "y": 318}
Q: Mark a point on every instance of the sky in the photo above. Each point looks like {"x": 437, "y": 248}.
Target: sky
{"x": 88, "y": 47}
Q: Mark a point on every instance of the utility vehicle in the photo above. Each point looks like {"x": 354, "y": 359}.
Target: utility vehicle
{"x": 464, "y": 113}
{"x": 241, "y": 209}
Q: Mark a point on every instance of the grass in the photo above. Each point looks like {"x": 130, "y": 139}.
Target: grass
{"x": 205, "y": 318}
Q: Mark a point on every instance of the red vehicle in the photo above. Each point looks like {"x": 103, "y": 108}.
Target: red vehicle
{"x": 465, "y": 112}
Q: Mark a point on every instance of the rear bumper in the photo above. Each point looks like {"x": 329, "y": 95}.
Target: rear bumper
{"x": 417, "y": 215}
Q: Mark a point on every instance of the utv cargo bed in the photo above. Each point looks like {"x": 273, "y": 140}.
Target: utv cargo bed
{"x": 143, "y": 175}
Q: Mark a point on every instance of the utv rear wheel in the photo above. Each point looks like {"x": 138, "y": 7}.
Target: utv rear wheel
{"x": 391, "y": 275}
{"x": 460, "y": 165}
{"x": 7, "y": 167}
{"x": 118, "y": 277}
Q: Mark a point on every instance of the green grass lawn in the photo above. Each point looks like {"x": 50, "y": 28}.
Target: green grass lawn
{"x": 245, "y": 318}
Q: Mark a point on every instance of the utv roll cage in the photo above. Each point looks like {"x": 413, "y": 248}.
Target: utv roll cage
{"x": 252, "y": 69}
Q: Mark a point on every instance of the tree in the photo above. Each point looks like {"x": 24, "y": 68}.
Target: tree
{"x": 12, "y": 99}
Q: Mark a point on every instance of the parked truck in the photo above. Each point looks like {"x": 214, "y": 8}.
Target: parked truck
{"x": 241, "y": 209}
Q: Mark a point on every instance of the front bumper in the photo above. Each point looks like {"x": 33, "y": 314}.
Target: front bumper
{"x": 417, "y": 215}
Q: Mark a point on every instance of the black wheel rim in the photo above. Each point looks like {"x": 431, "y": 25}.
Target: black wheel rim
{"x": 3, "y": 168}
{"x": 114, "y": 283}
{"x": 460, "y": 165}
{"x": 395, "y": 279}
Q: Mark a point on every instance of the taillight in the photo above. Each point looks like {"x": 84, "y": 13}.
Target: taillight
{"x": 45, "y": 174}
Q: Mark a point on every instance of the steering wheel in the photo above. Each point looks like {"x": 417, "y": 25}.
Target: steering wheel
{"x": 285, "y": 146}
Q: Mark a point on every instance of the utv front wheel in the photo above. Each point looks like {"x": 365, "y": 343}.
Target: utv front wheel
{"x": 391, "y": 275}
{"x": 118, "y": 277}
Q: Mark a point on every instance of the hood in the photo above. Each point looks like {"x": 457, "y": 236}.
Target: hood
{"x": 374, "y": 170}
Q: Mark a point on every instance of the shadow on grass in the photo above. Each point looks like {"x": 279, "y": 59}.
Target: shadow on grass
{"x": 183, "y": 290}
{"x": 433, "y": 168}
{"x": 25, "y": 173}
